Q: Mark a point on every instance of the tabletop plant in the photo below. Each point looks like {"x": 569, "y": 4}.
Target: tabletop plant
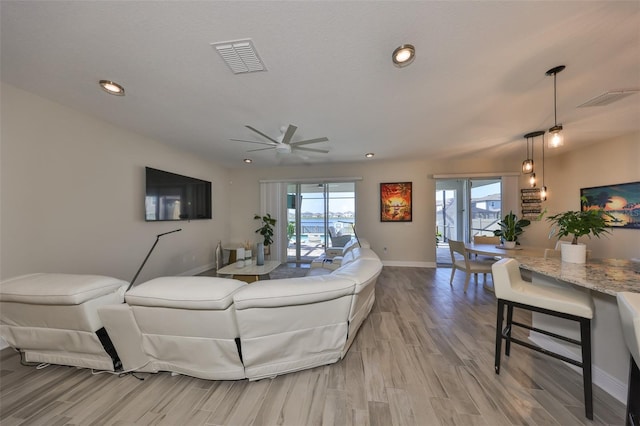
{"x": 579, "y": 223}
{"x": 511, "y": 227}
{"x": 266, "y": 230}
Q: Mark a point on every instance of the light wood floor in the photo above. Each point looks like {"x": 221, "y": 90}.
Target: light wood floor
{"x": 423, "y": 357}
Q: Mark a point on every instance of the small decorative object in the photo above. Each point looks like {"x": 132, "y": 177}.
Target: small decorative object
{"x": 219, "y": 256}
{"x": 240, "y": 257}
{"x": 396, "y": 202}
{"x": 621, "y": 202}
{"x": 260, "y": 254}
{"x": 577, "y": 224}
{"x": 510, "y": 228}
{"x": 247, "y": 253}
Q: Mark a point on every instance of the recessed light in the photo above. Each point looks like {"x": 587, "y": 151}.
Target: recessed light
{"x": 112, "y": 88}
{"x": 403, "y": 55}
{"x": 369, "y": 155}
{"x": 248, "y": 160}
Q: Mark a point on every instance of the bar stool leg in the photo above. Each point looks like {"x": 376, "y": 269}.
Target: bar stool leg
{"x": 499, "y": 319}
{"x": 633, "y": 398}
{"x": 585, "y": 339}
{"x": 507, "y": 346}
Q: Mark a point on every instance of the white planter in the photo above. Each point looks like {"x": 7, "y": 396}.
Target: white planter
{"x": 573, "y": 253}
{"x": 509, "y": 244}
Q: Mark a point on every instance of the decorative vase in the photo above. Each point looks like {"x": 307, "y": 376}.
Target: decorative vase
{"x": 573, "y": 253}
{"x": 240, "y": 257}
{"x": 509, "y": 244}
{"x": 247, "y": 257}
{"x": 260, "y": 254}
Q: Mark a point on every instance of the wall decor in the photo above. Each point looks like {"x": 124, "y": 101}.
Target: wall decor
{"x": 621, "y": 201}
{"x": 396, "y": 202}
{"x": 531, "y": 201}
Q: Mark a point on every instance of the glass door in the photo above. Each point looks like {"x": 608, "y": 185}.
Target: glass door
{"x": 320, "y": 215}
{"x": 465, "y": 207}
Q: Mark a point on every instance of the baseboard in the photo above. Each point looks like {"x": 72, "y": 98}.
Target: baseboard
{"x": 198, "y": 270}
{"x": 409, "y": 264}
{"x": 606, "y": 382}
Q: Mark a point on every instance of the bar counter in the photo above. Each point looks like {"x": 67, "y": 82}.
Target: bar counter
{"x": 608, "y": 276}
{"x": 604, "y": 278}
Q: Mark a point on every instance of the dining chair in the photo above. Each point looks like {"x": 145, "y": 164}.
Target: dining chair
{"x": 467, "y": 265}
{"x": 629, "y": 308}
{"x": 486, "y": 239}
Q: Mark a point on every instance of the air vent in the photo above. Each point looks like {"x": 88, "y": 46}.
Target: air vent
{"x": 240, "y": 56}
{"x": 608, "y": 97}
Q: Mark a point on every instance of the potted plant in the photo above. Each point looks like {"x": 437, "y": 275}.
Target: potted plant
{"x": 266, "y": 230}
{"x": 577, "y": 224}
{"x": 510, "y": 228}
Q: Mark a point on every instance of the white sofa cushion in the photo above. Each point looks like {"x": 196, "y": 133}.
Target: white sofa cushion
{"x": 57, "y": 289}
{"x": 185, "y": 292}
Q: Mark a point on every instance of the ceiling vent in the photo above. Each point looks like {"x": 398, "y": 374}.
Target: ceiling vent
{"x": 608, "y": 97}
{"x": 240, "y": 56}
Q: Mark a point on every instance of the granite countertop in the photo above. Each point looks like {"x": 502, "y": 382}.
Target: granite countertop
{"x": 609, "y": 276}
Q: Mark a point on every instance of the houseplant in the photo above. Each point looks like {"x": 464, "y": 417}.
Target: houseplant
{"x": 266, "y": 230}
{"x": 577, "y": 224}
{"x": 510, "y": 228}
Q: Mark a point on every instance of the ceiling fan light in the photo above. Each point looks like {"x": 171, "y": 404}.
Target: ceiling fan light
{"x": 403, "y": 55}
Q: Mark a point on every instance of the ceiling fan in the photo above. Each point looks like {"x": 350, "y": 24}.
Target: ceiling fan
{"x": 283, "y": 144}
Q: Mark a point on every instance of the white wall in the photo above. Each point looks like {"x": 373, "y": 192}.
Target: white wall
{"x": 72, "y": 196}
{"x": 608, "y": 162}
{"x": 408, "y": 243}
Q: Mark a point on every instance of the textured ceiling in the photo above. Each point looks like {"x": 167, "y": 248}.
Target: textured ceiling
{"x": 476, "y": 87}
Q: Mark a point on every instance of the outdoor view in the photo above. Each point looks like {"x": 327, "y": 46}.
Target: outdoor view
{"x": 319, "y": 216}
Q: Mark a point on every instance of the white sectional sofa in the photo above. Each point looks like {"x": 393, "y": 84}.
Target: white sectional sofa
{"x": 207, "y": 327}
{"x": 53, "y": 318}
{"x": 219, "y": 328}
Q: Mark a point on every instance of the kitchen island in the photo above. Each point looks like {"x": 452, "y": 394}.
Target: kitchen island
{"x": 604, "y": 278}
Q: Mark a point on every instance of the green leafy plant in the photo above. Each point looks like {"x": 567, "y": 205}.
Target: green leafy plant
{"x": 266, "y": 230}
{"x": 579, "y": 223}
{"x": 511, "y": 227}
{"x": 291, "y": 230}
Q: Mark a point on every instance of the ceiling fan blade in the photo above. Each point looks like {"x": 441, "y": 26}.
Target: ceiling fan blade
{"x": 289, "y": 133}
{"x": 324, "y": 151}
{"x": 261, "y": 149}
{"x": 262, "y": 134}
{"x": 259, "y": 143}
{"x": 309, "y": 141}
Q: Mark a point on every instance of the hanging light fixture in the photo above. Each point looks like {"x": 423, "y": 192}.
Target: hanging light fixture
{"x": 556, "y": 139}
{"x": 527, "y": 165}
{"x": 532, "y": 178}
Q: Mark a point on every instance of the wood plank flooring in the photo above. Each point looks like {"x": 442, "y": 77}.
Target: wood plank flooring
{"x": 423, "y": 357}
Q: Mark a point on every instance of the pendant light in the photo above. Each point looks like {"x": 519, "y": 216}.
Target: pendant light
{"x": 556, "y": 139}
{"x": 527, "y": 165}
{"x": 532, "y": 177}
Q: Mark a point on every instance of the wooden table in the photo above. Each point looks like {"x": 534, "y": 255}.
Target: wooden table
{"x": 250, "y": 273}
{"x": 493, "y": 250}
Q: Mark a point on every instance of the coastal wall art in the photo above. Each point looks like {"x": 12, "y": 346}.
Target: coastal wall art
{"x": 396, "y": 202}
{"x": 621, "y": 201}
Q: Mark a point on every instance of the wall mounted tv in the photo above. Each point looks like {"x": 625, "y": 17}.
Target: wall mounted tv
{"x": 175, "y": 197}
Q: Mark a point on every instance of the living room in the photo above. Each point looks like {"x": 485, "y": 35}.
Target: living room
{"x": 72, "y": 195}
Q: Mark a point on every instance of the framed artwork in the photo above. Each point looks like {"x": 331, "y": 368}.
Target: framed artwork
{"x": 622, "y": 201}
{"x": 396, "y": 202}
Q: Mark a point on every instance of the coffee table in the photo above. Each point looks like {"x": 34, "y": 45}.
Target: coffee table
{"x": 250, "y": 273}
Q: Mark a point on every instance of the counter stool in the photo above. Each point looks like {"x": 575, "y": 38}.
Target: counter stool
{"x": 629, "y": 306}
{"x": 511, "y": 290}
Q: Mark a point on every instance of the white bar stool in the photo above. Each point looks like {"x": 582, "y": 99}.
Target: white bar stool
{"x": 511, "y": 290}
{"x": 629, "y": 306}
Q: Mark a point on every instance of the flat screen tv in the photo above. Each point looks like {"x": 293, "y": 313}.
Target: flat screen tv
{"x": 175, "y": 197}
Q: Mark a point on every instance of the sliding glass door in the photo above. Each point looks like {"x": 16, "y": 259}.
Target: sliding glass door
{"x": 465, "y": 207}
{"x": 319, "y": 215}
